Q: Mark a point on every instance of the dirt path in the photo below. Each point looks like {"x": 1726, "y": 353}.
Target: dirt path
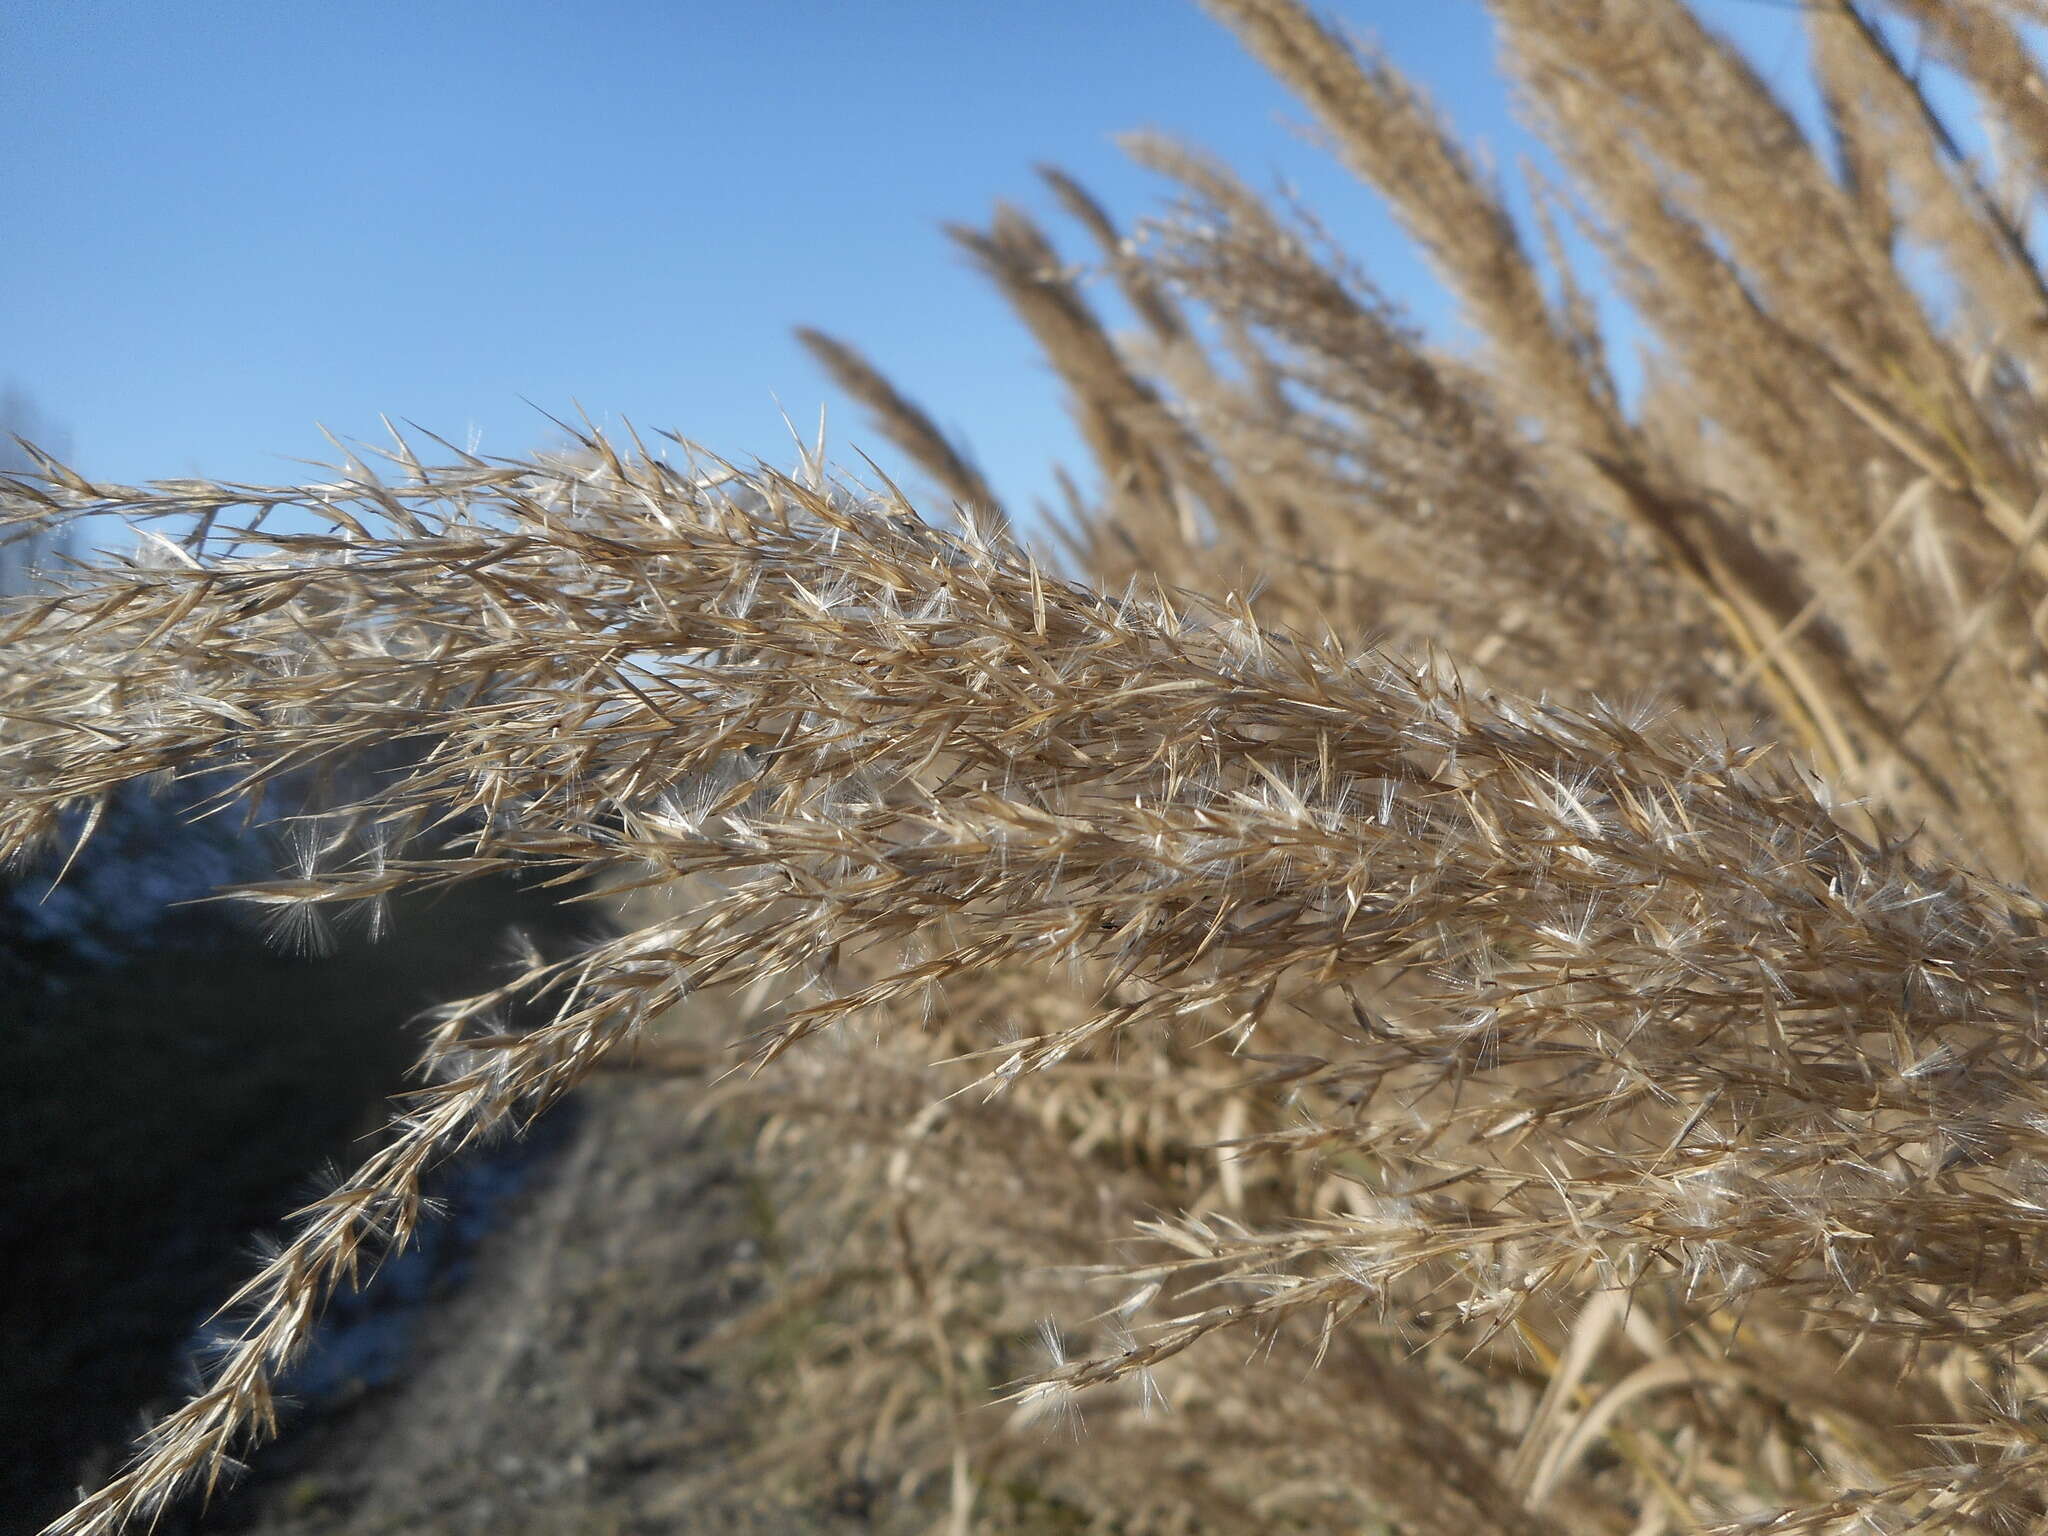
{"x": 552, "y": 1392}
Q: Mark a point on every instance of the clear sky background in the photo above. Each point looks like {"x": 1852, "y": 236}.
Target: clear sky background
{"x": 230, "y": 222}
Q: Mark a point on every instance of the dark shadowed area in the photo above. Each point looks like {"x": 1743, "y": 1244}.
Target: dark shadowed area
{"x": 186, "y": 1097}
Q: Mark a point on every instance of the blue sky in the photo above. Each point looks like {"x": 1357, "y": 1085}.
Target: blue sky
{"x": 230, "y": 222}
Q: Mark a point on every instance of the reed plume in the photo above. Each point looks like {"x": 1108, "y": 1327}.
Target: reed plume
{"x": 1548, "y": 936}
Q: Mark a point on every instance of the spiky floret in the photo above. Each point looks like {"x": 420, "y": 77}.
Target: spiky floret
{"x": 1598, "y": 1005}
